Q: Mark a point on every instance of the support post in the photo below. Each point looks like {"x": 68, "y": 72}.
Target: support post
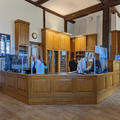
{"x": 107, "y": 29}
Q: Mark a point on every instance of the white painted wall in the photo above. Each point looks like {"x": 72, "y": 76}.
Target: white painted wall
{"x": 80, "y": 27}
{"x": 113, "y": 22}
{"x": 10, "y": 10}
{"x": 69, "y": 27}
{"x": 54, "y": 22}
{"x": 89, "y": 25}
{"x": 117, "y": 22}
{"x": 93, "y": 24}
{"x": 118, "y": 18}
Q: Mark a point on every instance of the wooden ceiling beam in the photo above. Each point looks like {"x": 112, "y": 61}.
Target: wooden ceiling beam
{"x": 41, "y": 1}
{"x": 92, "y": 9}
{"x": 84, "y": 12}
{"x": 113, "y": 9}
{"x": 48, "y": 10}
{"x": 111, "y": 3}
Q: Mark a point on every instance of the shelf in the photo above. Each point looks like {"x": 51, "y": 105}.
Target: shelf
{"x": 36, "y": 43}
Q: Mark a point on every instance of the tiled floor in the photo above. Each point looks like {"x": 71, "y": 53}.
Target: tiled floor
{"x": 11, "y": 109}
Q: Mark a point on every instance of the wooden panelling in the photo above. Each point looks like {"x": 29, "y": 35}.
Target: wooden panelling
{"x": 118, "y": 42}
{"x": 116, "y": 65}
{"x": 63, "y": 85}
{"x": 110, "y": 65}
{"x": 114, "y": 44}
{"x": 91, "y": 42}
{"x": 101, "y": 83}
{"x": 60, "y": 89}
{"x": 83, "y": 85}
{"x": 15, "y": 85}
{"x": 107, "y": 84}
{"x": 109, "y": 81}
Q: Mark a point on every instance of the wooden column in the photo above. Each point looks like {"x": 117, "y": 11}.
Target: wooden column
{"x": 65, "y": 26}
{"x": 44, "y": 19}
{"x": 106, "y": 29}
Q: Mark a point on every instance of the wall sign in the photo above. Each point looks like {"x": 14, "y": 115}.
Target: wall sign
{"x": 4, "y": 44}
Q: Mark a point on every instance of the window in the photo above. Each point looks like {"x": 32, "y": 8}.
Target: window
{"x": 4, "y": 45}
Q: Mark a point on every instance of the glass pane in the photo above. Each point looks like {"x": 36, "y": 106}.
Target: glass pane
{"x": 49, "y": 60}
{"x": 63, "y": 65}
{"x": 4, "y": 44}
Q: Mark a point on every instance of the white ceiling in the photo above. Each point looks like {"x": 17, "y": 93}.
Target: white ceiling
{"x": 65, "y": 7}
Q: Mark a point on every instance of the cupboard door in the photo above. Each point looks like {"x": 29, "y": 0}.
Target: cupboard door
{"x": 91, "y": 42}
{"x": 27, "y": 34}
{"x": 72, "y": 45}
{"x": 56, "y": 41}
{"x": 77, "y": 44}
{"x": 82, "y": 42}
{"x": 22, "y": 34}
{"x": 49, "y": 40}
{"x": 114, "y": 38}
{"x": 67, "y": 43}
{"x": 62, "y": 41}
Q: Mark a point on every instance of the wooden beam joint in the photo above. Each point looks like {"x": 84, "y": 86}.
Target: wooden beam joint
{"x": 41, "y": 1}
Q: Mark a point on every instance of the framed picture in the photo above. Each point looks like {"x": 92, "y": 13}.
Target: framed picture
{"x": 4, "y": 44}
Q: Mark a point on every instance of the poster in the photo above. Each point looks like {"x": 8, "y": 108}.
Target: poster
{"x": 4, "y": 44}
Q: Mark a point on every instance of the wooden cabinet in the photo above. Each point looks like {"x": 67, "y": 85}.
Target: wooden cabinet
{"x": 78, "y": 44}
{"x": 55, "y": 42}
{"x": 81, "y": 44}
{"x": 21, "y": 33}
{"x": 115, "y": 43}
{"x": 91, "y": 42}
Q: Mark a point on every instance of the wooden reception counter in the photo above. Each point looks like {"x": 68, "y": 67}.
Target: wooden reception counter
{"x": 58, "y": 88}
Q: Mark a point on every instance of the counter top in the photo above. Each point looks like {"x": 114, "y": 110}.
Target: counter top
{"x": 61, "y": 74}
